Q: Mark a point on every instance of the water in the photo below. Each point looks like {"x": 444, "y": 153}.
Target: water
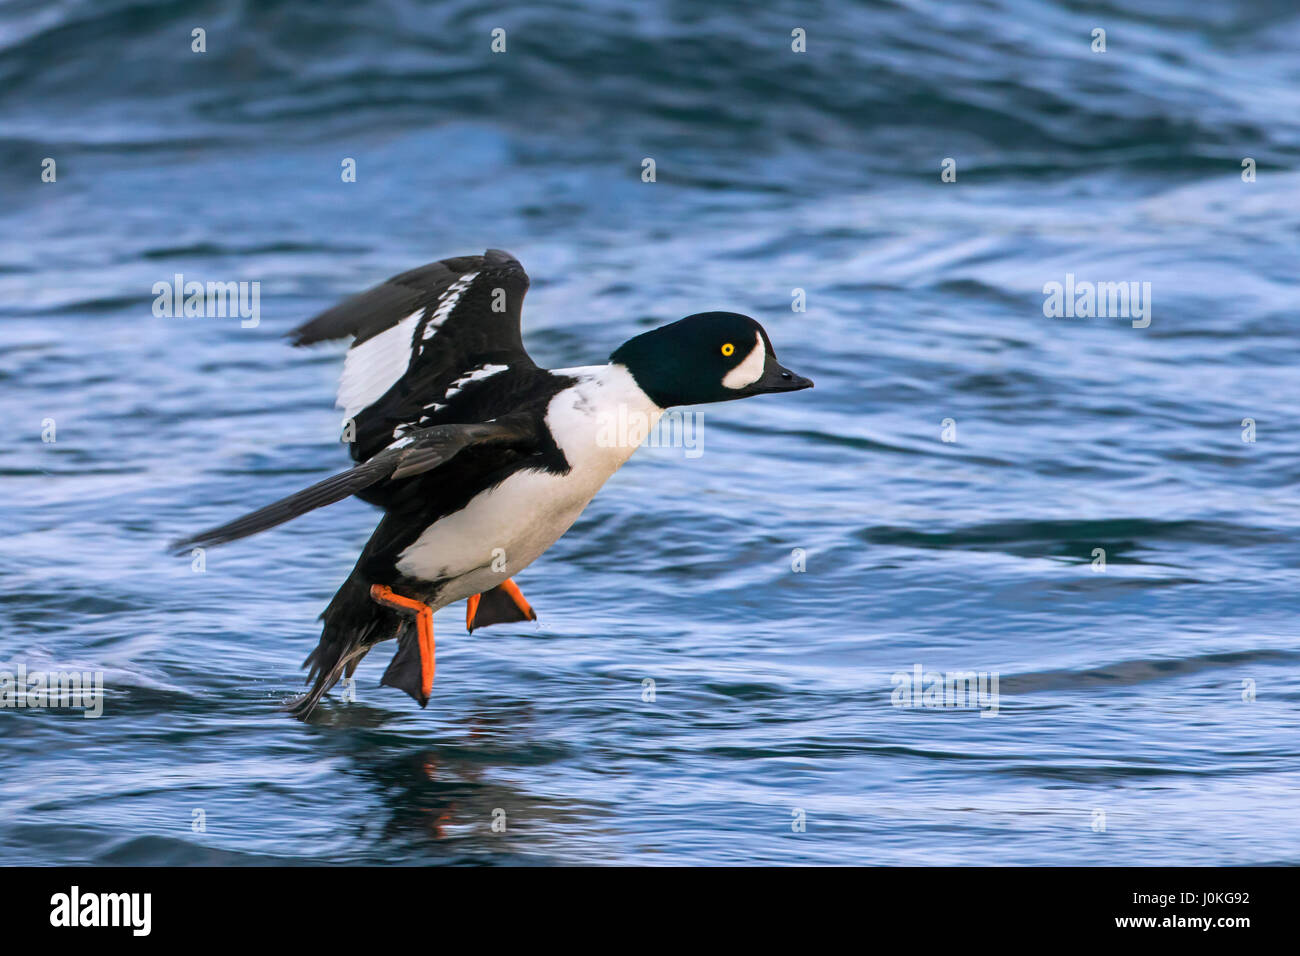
{"x": 1124, "y": 694}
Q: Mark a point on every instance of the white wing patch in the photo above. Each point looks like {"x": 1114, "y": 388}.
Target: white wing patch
{"x": 750, "y": 370}
{"x": 372, "y": 367}
{"x": 447, "y": 303}
{"x": 483, "y": 371}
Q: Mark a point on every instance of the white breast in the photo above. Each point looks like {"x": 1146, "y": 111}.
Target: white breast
{"x": 597, "y": 423}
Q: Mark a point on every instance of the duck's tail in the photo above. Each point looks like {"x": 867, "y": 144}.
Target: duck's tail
{"x": 353, "y": 624}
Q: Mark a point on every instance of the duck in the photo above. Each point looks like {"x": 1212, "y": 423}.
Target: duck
{"x": 478, "y": 458}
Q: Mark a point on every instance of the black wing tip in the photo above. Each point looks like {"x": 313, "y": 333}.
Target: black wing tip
{"x": 499, "y": 259}
{"x": 319, "y": 328}
{"x": 181, "y": 546}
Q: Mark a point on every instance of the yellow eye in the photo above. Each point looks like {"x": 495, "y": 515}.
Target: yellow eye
{"x": 728, "y": 349}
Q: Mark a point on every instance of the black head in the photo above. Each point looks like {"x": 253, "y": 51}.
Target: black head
{"x": 708, "y": 357}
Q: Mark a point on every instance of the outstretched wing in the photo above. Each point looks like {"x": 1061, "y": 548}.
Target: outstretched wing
{"x": 422, "y": 451}
{"x": 425, "y": 343}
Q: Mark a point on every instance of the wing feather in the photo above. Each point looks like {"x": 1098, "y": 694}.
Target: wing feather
{"x": 420, "y": 452}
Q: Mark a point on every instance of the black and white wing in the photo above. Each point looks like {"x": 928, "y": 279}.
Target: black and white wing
{"x": 426, "y": 344}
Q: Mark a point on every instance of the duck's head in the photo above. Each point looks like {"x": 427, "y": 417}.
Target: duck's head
{"x": 707, "y": 357}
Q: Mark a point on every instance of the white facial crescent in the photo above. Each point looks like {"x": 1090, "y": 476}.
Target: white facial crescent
{"x": 750, "y": 370}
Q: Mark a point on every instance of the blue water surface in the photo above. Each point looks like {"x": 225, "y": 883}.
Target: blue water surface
{"x": 1147, "y": 707}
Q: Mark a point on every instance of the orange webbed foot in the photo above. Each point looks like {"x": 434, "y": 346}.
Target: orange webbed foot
{"x": 503, "y": 604}
{"x": 381, "y": 594}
